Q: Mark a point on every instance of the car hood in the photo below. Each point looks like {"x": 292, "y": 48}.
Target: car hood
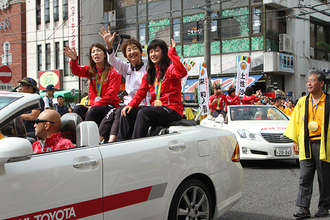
{"x": 259, "y": 126}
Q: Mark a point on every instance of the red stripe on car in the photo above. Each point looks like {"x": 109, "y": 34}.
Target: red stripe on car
{"x": 93, "y": 207}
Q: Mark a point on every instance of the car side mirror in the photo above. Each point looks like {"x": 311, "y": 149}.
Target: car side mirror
{"x": 13, "y": 149}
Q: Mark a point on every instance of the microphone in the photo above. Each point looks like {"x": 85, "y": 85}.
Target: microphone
{"x": 124, "y": 36}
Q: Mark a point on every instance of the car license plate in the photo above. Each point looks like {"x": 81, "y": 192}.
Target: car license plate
{"x": 282, "y": 151}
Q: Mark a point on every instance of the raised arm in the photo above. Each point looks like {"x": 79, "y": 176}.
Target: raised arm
{"x": 119, "y": 65}
{"x": 179, "y": 70}
{"x": 77, "y": 70}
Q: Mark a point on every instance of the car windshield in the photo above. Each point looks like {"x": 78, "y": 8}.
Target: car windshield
{"x": 242, "y": 113}
{"x": 6, "y": 100}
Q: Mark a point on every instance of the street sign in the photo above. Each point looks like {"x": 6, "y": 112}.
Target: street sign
{"x": 73, "y": 92}
{"x": 5, "y": 74}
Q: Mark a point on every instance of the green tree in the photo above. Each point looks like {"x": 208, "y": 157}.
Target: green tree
{"x": 324, "y": 45}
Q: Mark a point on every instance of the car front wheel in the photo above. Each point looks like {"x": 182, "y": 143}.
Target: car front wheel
{"x": 191, "y": 201}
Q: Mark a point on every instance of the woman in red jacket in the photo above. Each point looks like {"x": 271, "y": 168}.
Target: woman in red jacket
{"x": 248, "y": 98}
{"x": 104, "y": 82}
{"x": 232, "y": 99}
{"x": 163, "y": 82}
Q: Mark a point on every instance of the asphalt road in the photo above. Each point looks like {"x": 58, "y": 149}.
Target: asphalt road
{"x": 269, "y": 192}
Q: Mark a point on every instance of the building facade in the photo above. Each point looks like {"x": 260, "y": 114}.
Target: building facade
{"x": 13, "y": 41}
{"x": 279, "y": 36}
{"x": 49, "y": 30}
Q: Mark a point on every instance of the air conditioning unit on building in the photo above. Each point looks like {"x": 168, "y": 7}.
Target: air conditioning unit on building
{"x": 112, "y": 18}
{"x": 285, "y": 44}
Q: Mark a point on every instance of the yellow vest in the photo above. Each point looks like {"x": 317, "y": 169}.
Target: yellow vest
{"x": 295, "y": 131}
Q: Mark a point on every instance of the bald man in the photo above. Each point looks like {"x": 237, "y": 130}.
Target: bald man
{"x": 47, "y": 127}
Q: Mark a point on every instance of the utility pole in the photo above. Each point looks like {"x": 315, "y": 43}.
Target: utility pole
{"x": 207, "y": 40}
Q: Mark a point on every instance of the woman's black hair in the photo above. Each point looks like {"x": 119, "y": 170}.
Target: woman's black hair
{"x": 231, "y": 90}
{"x": 165, "y": 61}
{"x": 249, "y": 91}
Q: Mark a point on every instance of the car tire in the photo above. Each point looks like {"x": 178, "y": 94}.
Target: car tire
{"x": 192, "y": 200}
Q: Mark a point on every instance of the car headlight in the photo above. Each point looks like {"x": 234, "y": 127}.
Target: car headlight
{"x": 248, "y": 135}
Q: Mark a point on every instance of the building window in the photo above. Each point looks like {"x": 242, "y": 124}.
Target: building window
{"x": 57, "y": 55}
{"x": 48, "y": 60}
{"x": 214, "y": 27}
{"x": 47, "y": 16}
{"x": 39, "y": 49}
{"x": 142, "y": 33}
{"x": 66, "y": 68}
{"x": 159, "y": 29}
{"x": 193, "y": 28}
{"x": 176, "y": 30}
{"x": 237, "y": 26}
{"x": 319, "y": 34}
{"x": 65, "y": 9}
{"x": 38, "y": 12}
{"x": 256, "y": 20}
{"x": 56, "y": 10}
{"x": 272, "y": 28}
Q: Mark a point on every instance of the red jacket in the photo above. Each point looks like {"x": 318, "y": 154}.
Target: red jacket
{"x": 170, "y": 94}
{"x": 233, "y": 100}
{"x": 110, "y": 87}
{"x": 220, "y": 99}
{"x": 249, "y": 100}
{"x": 52, "y": 143}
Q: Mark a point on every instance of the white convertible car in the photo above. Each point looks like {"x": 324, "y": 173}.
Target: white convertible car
{"x": 259, "y": 131}
{"x": 184, "y": 172}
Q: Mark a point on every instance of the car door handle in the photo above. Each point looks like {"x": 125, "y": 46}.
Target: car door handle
{"x": 86, "y": 163}
{"x": 179, "y": 146}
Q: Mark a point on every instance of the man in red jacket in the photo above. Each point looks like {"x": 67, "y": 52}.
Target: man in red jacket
{"x": 217, "y": 102}
{"x": 47, "y": 127}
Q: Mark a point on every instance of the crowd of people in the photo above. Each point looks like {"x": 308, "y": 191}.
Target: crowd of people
{"x": 218, "y": 101}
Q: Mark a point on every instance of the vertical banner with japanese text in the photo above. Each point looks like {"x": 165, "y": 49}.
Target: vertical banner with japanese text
{"x": 203, "y": 89}
{"x": 73, "y": 18}
{"x": 188, "y": 65}
{"x": 243, "y": 68}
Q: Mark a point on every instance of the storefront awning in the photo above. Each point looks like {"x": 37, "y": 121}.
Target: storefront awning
{"x": 226, "y": 82}
{"x": 64, "y": 93}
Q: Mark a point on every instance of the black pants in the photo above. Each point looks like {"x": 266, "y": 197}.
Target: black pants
{"x": 218, "y": 112}
{"x": 145, "y": 117}
{"x": 110, "y": 123}
{"x": 307, "y": 172}
{"x": 95, "y": 113}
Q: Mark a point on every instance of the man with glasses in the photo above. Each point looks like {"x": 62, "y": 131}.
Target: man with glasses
{"x": 47, "y": 127}
{"x": 309, "y": 130}
{"x": 29, "y": 85}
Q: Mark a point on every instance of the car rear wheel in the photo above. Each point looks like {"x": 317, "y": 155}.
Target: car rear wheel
{"x": 191, "y": 201}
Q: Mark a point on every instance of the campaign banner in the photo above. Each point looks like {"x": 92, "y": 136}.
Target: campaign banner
{"x": 188, "y": 65}
{"x": 242, "y": 70}
{"x": 203, "y": 89}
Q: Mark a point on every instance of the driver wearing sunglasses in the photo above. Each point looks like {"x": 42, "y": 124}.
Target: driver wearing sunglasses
{"x": 47, "y": 127}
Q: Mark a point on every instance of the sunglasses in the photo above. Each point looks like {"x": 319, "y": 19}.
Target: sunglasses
{"x": 40, "y": 120}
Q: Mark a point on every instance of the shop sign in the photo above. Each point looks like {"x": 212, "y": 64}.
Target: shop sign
{"x": 286, "y": 63}
{"x": 50, "y": 77}
{"x": 73, "y": 24}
